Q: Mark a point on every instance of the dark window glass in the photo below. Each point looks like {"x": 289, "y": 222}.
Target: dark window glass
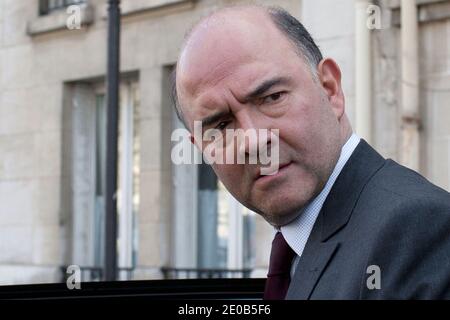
{"x": 47, "y": 6}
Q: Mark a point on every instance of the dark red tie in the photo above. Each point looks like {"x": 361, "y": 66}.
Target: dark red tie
{"x": 278, "y": 278}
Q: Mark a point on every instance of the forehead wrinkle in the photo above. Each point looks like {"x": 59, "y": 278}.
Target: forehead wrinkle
{"x": 217, "y": 75}
{"x": 211, "y": 103}
{"x": 200, "y": 78}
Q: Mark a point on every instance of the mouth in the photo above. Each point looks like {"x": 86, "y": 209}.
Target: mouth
{"x": 281, "y": 169}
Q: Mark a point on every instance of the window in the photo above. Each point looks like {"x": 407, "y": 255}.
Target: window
{"x": 88, "y": 179}
{"x": 225, "y": 227}
{"x": 47, "y": 6}
{"x": 213, "y": 233}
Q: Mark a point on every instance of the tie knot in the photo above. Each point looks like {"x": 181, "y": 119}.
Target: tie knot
{"x": 280, "y": 257}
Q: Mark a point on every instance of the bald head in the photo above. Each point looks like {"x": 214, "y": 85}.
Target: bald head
{"x": 235, "y": 28}
{"x": 223, "y": 18}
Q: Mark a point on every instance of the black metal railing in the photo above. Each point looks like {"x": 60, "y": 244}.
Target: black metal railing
{"x": 92, "y": 274}
{"x": 48, "y": 6}
{"x": 199, "y": 273}
{"x": 88, "y": 274}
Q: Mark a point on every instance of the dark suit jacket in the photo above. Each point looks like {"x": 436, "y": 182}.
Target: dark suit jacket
{"x": 380, "y": 214}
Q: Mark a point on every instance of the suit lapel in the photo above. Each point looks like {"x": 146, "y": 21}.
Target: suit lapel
{"x": 309, "y": 270}
{"x": 343, "y": 196}
{"x": 336, "y": 211}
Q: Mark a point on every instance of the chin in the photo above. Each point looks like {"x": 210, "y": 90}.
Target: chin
{"x": 282, "y": 212}
{"x": 279, "y": 220}
{"x": 286, "y": 204}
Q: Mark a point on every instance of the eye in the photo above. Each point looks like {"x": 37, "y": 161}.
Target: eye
{"x": 222, "y": 125}
{"x": 274, "y": 97}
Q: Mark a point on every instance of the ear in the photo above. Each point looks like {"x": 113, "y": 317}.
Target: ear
{"x": 330, "y": 79}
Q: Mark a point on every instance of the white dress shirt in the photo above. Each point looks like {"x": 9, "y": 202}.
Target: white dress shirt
{"x": 297, "y": 232}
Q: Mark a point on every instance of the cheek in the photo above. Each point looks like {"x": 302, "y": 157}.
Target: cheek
{"x": 230, "y": 175}
{"x": 296, "y": 130}
{"x": 301, "y": 115}
{"x": 306, "y": 132}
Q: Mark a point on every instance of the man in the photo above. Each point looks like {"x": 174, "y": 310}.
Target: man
{"x": 351, "y": 225}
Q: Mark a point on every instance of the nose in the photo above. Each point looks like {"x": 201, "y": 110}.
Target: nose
{"x": 252, "y": 140}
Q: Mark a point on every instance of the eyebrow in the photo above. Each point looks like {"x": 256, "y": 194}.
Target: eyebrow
{"x": 257, "y": 92}
{"x": 208, "y": 121}
{"x": 265, "y": 86}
